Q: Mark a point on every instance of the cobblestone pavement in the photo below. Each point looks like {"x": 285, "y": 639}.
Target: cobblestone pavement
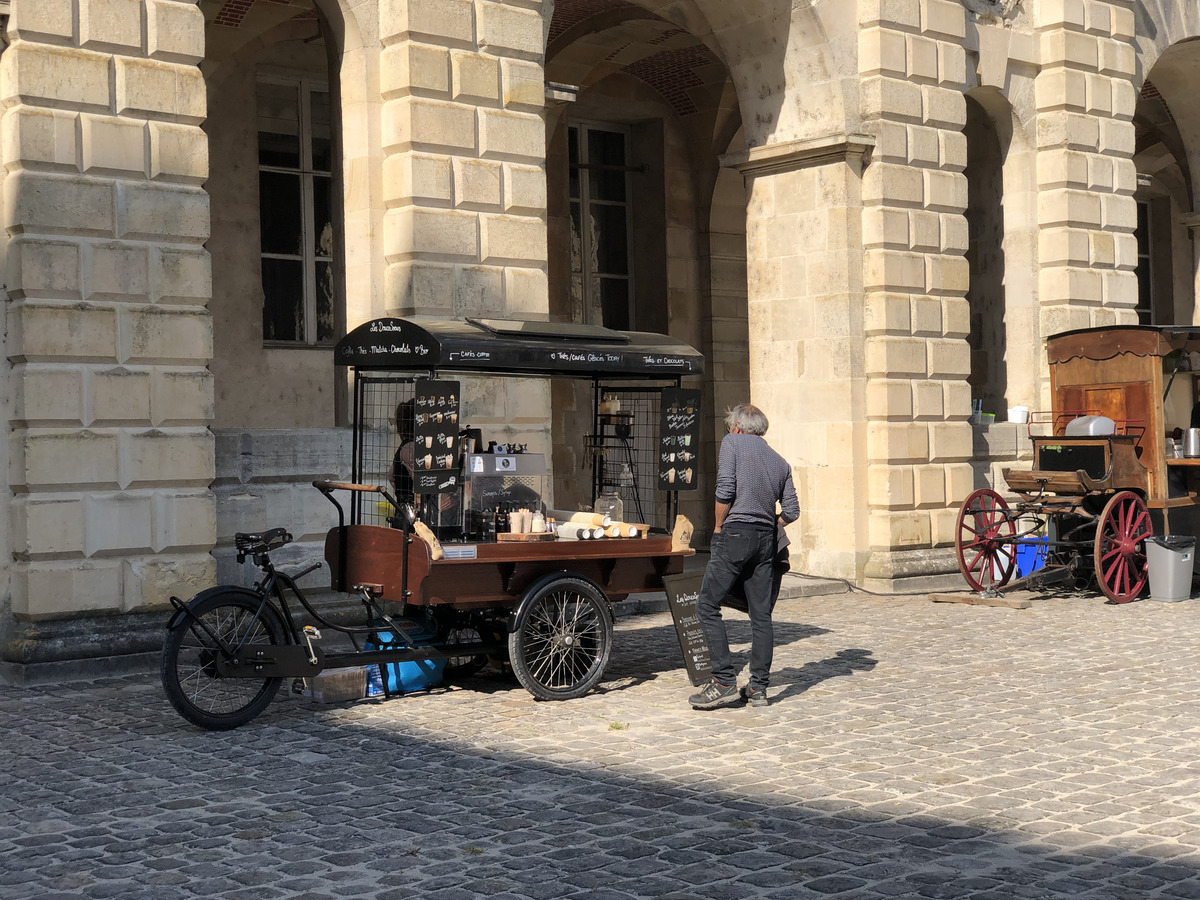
{"x": 910, "y": 749}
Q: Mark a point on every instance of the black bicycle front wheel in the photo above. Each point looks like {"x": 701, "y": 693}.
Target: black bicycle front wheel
{"x": 562, "y": 641}
{"x": 189, "y": 661}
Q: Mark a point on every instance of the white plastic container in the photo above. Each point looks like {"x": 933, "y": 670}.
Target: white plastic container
{"x": 1018, "y": 414}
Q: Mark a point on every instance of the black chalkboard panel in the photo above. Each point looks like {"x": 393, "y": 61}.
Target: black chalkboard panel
{"x": 682, "y": 593}
{"x": 437, "y": 450}
{"x": 679, "y": 440}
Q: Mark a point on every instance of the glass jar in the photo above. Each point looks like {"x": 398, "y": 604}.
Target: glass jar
{"x": 610, "y": 504}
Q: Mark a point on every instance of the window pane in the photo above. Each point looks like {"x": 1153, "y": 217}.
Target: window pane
{"x": 573, "y": 159}
{"x": 283, "y": 301}
{"x": 1143, "y": 228}
{"x": 278, "y": 125}
{"x": 614, "y": 301}
{"x": 322, "y": 143}
{"x": 280, "y": 218}
{"x": 325, "y": 292}
{"x": 612, "y": 244}
{"x": 606, "y": 148}
{"x": 322, "y": 216}
{"x": 576, "y": 239}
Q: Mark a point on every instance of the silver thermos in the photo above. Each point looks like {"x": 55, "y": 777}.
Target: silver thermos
{"x": 1191, "y": 443}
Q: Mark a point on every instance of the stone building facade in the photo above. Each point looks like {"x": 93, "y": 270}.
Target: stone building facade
{"x": 866, "y": 213}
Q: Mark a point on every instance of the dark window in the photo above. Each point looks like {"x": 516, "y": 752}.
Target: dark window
{"x": 601, "y": 276}
{"x": 1144, "y": 271}
{"x": 295, "y": 204}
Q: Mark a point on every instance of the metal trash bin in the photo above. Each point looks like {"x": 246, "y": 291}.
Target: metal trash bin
{"x": 1169, "y": 561}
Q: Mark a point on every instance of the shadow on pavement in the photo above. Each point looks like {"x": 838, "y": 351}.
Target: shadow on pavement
{"x": 795, "y": 681}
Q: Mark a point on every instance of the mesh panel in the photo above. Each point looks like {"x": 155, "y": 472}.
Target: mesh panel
{"x": 630, "y": 438}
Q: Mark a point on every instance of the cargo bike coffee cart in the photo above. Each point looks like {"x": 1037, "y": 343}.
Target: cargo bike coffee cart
{"x": 1105, "y": 458}
{"x": 439, "y": 587}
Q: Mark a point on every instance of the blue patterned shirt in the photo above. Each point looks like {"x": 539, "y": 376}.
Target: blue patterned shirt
{"x": 752, "y": 478}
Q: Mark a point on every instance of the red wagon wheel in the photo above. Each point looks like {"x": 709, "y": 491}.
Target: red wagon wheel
{"x": 982, "y": 538}
{"x": 1120, "y": 548}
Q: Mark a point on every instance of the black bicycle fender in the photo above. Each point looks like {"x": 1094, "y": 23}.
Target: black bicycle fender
{"x": 182, "y": 614}
{"x": 527, "y": 597}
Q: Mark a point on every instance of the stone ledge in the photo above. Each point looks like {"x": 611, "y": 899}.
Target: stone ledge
{"x": 792, "y": 155}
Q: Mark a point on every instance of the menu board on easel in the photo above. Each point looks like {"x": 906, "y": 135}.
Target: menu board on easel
{"x": 682, "y": 594}
{"x": 436, "y": 454}
{"x": 679, "y": 440}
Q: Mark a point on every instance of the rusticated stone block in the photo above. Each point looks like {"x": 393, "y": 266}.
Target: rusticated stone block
{"x": 51, "y": 588}
{"x": 512, "y": 238}
{"x": 419, "y": 287}
{"x": 118, "y": 396}
{"x": 55, "y": 204}
{"x": 35, "y": 137}
{"x": 178, "y": 152}
{"x": 478, "y": 291}
{"x": 176, "y": 456}
{"x": 882, "y": 51}
{"x": 51, "y": 457}
{"x": 41, "y": 268}
{"x": 181, "y": 275}
{"x": 40, "y": 75}
{"x": 510, "y": 31}
{"x": 160, "y": 89}
{"x": 417, "y": 177}
{"x": 475, "y": 77}
{"x": 52, "y": 21}
{"x": 452, "y": 21}
{"x": 412, "y": 68}
{"x": 511, "y": 135}
{"x": 524, "y": 189}
{"x": 111, "y": 25}
{"x": 113, "y": 145}
{"x": 898, "y": 529}
{"x": 149, "y": 582}
{"x": 47, "y": 525}
{"x": 165, "y": 335}
{"x": 174, "y": 31}
{"x": 476, "y": 184}
{"x": 413, "y": 231}
{"x": 40, "y": 331}
{"x": 117, "y": 523}
{"x": 526, "y": 293}
{"x": 119, "y": 272}
{"x": 148, "y": 211}
{"x": 181, "y": 397}
{"x": 184, "y": 520}
{"x": 523, "y": 85}
{"x": 421, "y": 124}
{"x": 48, "y": 395}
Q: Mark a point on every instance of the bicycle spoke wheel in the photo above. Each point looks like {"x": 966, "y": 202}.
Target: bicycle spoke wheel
{"x": 189, "y": 671}
{"x": 562, "y": 641}
{"x": 983, "y": 540}
{"x": 1120, "y": 547}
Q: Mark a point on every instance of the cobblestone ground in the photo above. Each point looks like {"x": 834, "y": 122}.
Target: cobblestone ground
{"x": 911, "y": 749}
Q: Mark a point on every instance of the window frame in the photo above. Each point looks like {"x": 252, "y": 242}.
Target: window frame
{"x": 1147, "y": 315}
{"x": 583, "y": 127}
{"x": 305, "y": 87}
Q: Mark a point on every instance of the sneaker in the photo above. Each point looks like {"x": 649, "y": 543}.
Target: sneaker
{"x": 714, "y": 694}
{"x": 753, "y": 696}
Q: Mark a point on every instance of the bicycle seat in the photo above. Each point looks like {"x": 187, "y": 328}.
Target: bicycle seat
{"x": 260, "y": 543}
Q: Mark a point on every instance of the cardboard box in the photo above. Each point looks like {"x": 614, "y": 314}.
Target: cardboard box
{"x": 338, "y": 685}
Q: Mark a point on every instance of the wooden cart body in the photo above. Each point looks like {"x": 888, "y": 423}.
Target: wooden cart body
{"x": 1089, "y": 495}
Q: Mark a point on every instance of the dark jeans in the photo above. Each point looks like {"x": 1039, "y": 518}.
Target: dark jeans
{"x": 740, "y": 557}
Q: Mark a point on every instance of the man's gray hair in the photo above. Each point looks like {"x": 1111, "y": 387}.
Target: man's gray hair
{"x": 750, "y": 419}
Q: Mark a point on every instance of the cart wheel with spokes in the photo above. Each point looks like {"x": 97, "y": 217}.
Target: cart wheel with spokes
{"x": 1120, "y": 547}
{"x": 562, "y": 640}
{"x": 982, "y": 540}
{"x": 189, "y": 671}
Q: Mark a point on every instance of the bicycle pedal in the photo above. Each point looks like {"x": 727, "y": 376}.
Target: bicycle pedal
{"x": 312, "y": 632}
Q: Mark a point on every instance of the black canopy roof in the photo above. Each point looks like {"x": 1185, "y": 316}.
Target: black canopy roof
{"x": 510, "y": 346}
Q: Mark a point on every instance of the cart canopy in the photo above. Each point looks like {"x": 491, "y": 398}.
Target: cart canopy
{"x": 511, "y": 346}
{"x": 1111, "y": 341}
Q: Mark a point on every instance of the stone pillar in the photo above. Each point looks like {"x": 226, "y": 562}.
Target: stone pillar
{"x": 804, "y": 274}
{"x": 110, "y": 456}
{"x": 1086, "y": 174}
{"x": 913, "y": 67}
{"x": 464, "y": 177}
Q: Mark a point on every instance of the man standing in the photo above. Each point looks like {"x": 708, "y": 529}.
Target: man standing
{"x": 748, "y": 533}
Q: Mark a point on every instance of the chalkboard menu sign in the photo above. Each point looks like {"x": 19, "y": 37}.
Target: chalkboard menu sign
{"x": 679, "y": 440}
{"x": 436, "y": 454}
{"x": 682, "y": 593}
